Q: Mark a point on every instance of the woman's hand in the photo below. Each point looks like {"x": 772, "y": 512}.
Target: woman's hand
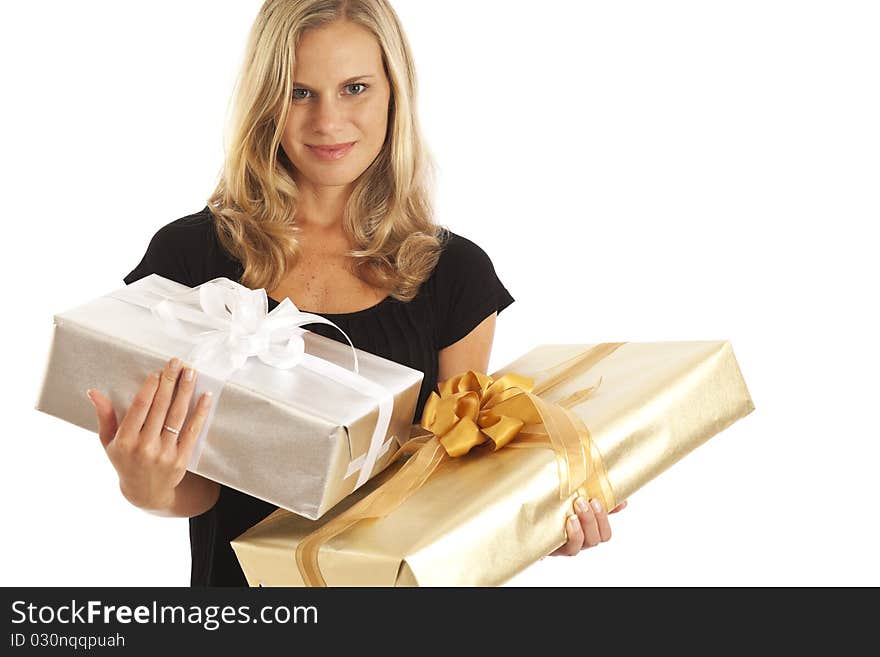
{"x": 150, "y": 459}
{"x": 587, "y": 527}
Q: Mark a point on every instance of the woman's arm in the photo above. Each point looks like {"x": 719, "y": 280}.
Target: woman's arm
{"x": 192, "y": 497}
{"x": 150, "y": 460}
{"x": 470, "y": 353}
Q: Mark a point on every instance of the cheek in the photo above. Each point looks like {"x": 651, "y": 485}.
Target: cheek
{"x": 375, "y": 119}
{"x": 292, "y": 131}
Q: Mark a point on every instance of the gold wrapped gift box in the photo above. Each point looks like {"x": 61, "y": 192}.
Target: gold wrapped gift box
{"x": 559, "y": 421}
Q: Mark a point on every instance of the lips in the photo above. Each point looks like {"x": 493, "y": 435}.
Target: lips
{"x": 332, "y": 147}
{"x": 331, "y": 151}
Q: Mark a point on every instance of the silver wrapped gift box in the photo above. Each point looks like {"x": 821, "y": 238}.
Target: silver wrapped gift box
{"x": 298, "y": 419}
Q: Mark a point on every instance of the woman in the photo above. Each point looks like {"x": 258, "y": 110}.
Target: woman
{"x": 324, "y": 199}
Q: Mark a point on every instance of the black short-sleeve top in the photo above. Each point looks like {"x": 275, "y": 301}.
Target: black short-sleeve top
{"x": 461, "y": 292}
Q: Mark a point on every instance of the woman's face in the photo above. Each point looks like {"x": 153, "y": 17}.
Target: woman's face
{"x": 341, "y": 95}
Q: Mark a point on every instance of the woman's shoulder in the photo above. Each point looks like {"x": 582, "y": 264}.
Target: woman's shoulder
{"x": 186, "y": 250}
{"x": 190, "y": 229}
{"x": 460, "y": 257}
{"x": 465, "y": 287}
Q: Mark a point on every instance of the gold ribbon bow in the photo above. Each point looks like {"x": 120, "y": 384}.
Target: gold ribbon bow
{"x": 473, "y": 409}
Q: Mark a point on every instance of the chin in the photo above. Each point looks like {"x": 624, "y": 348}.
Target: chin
{"x": 334, "y": 179}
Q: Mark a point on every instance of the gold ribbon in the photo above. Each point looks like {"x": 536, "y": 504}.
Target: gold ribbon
{"x": 473, "y": 410}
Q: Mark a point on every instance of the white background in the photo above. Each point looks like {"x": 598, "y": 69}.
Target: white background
{"x": 637, "y": 171}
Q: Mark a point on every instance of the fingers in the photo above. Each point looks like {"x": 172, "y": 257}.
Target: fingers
{"x": 156, "y": 418}
{"x": 107, "y": 424}
{"x": 193, "y": 427}
{"x": 619, "y": 507}
{"x": 131, "y": 425}
{"x": 601, "y": 520}
{"x": 575, "y": 533}
{"x": 180, "y": 406}
{"x": 587, "y": 527}
{"x": 586, "y": 515}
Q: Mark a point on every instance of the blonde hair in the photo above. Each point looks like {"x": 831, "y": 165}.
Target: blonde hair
{"x": 389, "y": 213}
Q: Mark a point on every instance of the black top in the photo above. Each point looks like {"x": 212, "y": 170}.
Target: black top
{"x": 461, "y": 292}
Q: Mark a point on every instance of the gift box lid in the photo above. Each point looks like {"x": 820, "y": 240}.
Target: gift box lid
{"x": 135, "y": 327}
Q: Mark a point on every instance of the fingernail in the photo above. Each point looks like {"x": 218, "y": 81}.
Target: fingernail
{"x": 188, "y": 374}
{"x": 89, "y": 395}
{"x": 175, "y": 364}
{"x": 597, "y": 505}
{"x": 572, "y": 521}
{"x": 581, "y": 504}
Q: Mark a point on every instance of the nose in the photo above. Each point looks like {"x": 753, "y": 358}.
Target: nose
{"x": 327, "y": 116}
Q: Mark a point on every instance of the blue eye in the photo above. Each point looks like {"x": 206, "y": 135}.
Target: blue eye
{"x": 349, "y": 86}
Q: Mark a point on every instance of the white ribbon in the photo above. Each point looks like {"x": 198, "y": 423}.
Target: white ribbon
{"x": 239, "y": 327}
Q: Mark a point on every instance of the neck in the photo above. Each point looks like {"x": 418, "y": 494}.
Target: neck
{"x": 321, "y": 208}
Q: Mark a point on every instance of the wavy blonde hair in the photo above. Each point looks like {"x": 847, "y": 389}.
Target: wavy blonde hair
{"x": 389, "y": 213}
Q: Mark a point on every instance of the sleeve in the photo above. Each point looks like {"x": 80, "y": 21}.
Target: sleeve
{"x": 468, "y": 290}
{"x": 166, "y": 255}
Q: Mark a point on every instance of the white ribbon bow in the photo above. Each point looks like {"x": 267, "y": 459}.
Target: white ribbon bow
{"x": 242, "y": 327}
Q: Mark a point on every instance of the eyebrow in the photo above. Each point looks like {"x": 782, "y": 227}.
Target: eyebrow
{"x": 344, "y": 82}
